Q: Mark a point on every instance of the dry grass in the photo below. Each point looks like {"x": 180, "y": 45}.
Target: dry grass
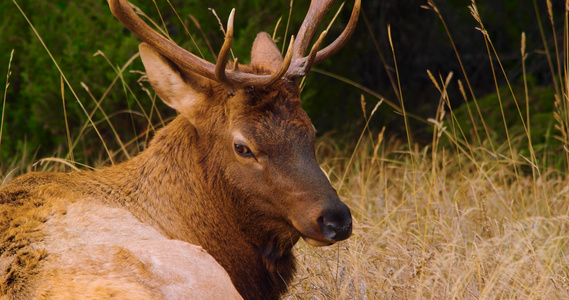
{"x": 442, "y": 230}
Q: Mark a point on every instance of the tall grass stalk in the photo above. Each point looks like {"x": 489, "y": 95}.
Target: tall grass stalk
{"x": 63, "y": 76}
{"x": 491, "y": 54}
{"x": 8, "y": 72}
{"x": 67, "y": 131}
{"x": 467, "y": 80}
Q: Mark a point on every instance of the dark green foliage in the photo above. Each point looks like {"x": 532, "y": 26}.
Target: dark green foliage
{"x": 73, "y": 32}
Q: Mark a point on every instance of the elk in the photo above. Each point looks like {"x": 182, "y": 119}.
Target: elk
{"x": 211, "y": 209}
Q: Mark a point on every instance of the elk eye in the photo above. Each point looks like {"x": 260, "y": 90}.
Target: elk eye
{"x": 243, "y": 150}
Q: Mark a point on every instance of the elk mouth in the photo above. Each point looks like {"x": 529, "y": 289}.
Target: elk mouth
{"x": 313, "y": 235}
{"x": 317, "y": 243}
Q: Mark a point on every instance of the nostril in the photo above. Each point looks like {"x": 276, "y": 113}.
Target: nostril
{"x": 328, "y": 230}
{"x": 343, "y": 231}
{"x": 334, "y": 229}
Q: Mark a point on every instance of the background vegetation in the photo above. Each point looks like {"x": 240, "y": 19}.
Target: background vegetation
{"x": 443, "y": 125}
{"x": 75, "y": 31}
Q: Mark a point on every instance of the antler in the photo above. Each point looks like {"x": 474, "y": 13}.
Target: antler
{"x": 294, "y": 65}
{"x": 316, "y": 12}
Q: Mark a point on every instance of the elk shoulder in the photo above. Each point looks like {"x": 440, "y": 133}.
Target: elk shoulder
{"x": 59, "y": 240}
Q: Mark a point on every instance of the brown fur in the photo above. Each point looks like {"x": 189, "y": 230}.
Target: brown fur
{"x": 58, "y": 240}
{"x": 127, "y": 231}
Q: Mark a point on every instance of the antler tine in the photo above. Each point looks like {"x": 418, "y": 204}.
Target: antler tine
{"x": 122, "y": 11}
{"x": 224, "y": 52}
{"x": 301, "y": 65}
{"x": 286, "y": 63}
{"x": 260, "y": 80}
{"x": 343, "y": 38}
{"x": 316, "y": 13}
{"x": 313, "y": 52}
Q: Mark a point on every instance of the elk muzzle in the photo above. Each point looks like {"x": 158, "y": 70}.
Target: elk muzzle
{"x": 336, "y": 225}
{"x": 330, "y": 225}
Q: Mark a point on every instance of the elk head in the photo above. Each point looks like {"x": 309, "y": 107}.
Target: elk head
{"x": 249, "y": 122}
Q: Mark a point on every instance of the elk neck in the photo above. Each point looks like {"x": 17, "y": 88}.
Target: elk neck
{"x": 178, "y": 187}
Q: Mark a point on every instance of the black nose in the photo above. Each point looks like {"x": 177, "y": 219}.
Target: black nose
{"x": 336, "y": 224}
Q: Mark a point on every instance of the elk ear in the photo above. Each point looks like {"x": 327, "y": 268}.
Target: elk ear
{"x": 178, "y": 90}
{"x": 265, "y": 53}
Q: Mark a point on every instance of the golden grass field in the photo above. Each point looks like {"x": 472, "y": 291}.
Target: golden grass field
{"x": 458, "y": 220}
{"x": 437, "y": 228}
